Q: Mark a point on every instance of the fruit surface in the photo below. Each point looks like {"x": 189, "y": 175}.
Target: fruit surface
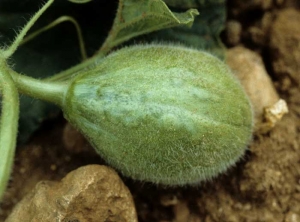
{"x": 161, "y": 113}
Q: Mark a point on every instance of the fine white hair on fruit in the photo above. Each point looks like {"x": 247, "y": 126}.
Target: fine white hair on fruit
{"x": 162, "y": 113}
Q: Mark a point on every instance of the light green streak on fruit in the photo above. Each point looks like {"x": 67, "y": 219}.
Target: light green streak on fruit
{"x": 165, "y": 114}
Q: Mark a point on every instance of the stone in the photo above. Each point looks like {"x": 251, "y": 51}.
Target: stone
{"x": 273, "y": 114}
{"x": 249, "y": 69}
{"x": 90, "y": 193}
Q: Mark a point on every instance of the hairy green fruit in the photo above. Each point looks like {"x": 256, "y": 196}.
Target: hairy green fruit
{"x": 165, "y": 114}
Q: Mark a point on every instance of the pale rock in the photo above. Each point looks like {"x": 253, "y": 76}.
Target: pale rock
{"x": 249, "y": 69}
{"x": 92, "y": 193}
{"x": 274, "y": 113}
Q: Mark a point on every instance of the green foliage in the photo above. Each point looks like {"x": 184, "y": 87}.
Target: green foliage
{"x": 135, "y": 18}
{"x": 206, "y": 29}
{"x": 164, "y": 114}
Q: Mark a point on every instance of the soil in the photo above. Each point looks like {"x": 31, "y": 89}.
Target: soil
{"x": 264, "y": 186}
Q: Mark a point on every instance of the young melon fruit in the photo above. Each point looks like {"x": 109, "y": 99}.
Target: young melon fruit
{"x": 161, "y": 113}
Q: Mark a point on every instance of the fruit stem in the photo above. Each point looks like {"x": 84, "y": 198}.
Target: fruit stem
{"x": 48, "y": 91}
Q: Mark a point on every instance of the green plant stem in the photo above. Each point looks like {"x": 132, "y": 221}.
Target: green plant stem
{"x": 8, "y": 125}
{"x": 48, "y": 91}
{"x": 51, "y": 89}
{"x": 55, "y": 23}
{"x": 9, "y": 51}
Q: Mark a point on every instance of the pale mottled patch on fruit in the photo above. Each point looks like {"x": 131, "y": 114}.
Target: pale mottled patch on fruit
{"x": 165, "y": 114}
